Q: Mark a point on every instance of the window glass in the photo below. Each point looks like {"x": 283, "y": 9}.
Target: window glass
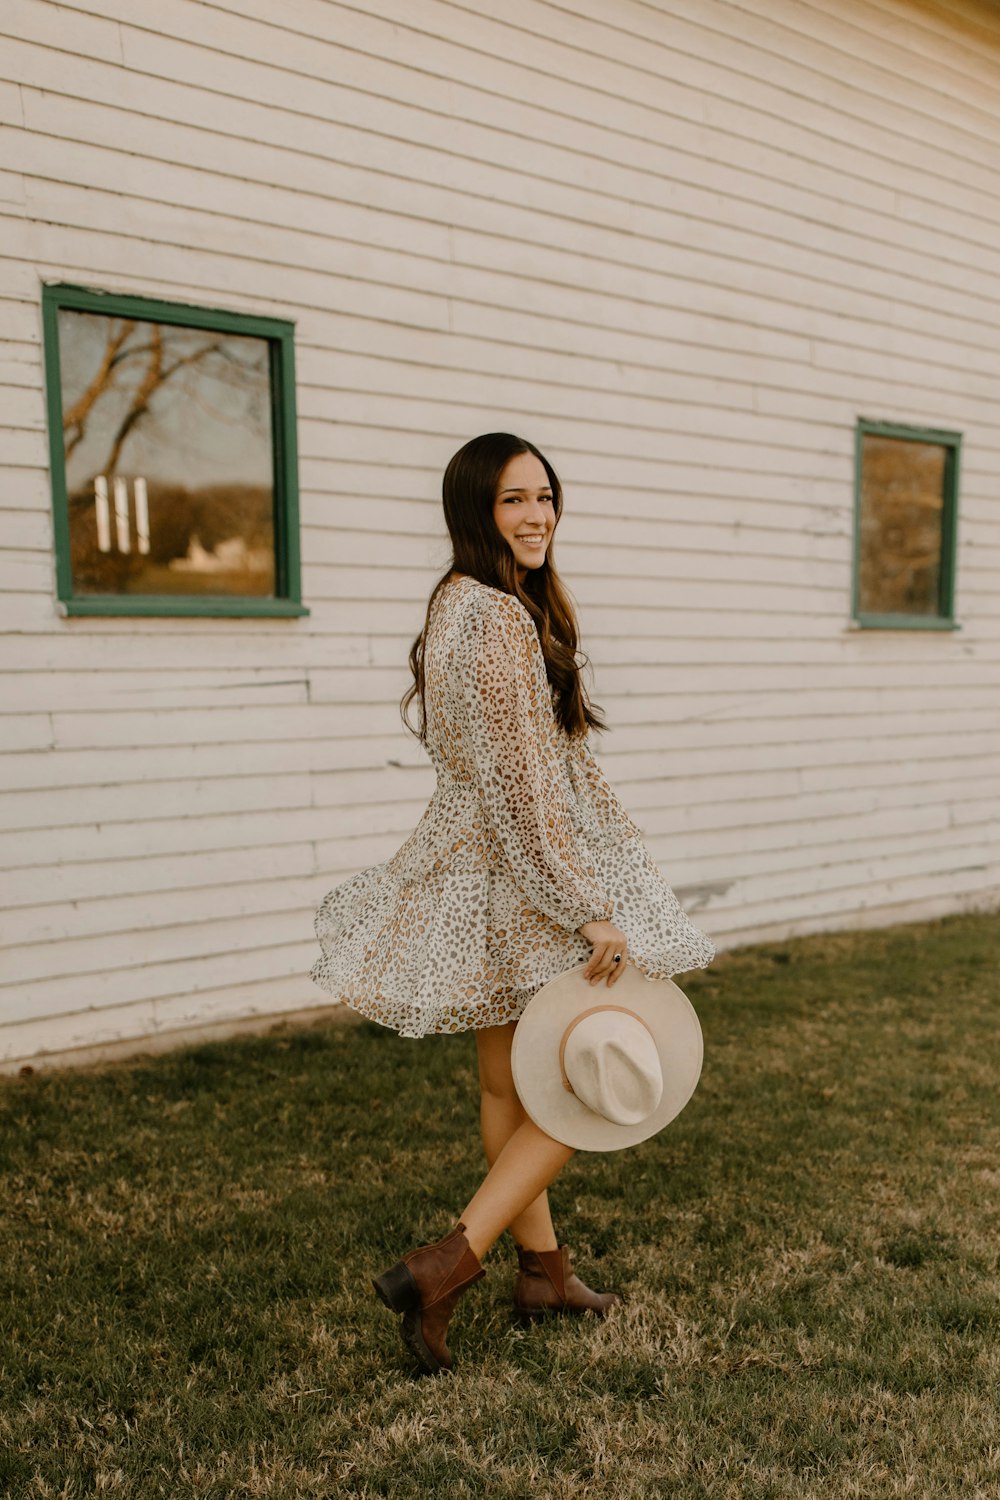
{"x": 169, "y": 454}
{"x": 902, "y": 511}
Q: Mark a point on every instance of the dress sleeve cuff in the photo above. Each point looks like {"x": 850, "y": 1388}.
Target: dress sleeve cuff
{"x": 606, "y": 913}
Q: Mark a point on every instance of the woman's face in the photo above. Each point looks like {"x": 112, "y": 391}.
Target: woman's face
{"x": 525, "y": 511}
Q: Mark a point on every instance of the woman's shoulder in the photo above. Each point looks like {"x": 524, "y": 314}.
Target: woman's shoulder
{"x": 486, "y": 595}
{"x": 484, "y": 602}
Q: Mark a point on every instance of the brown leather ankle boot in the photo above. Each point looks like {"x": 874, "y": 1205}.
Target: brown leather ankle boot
{"x": 547, "y": 1283}
{"x": 424, "y": 1286}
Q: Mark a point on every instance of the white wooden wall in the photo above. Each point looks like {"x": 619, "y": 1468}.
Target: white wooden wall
{"x": 682, "y": 245}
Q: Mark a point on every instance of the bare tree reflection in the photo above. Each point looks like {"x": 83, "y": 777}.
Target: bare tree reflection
{"x": 176, "y": 386}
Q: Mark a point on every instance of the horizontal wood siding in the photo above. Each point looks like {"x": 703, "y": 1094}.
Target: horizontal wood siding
{"x": 681, "y": 244}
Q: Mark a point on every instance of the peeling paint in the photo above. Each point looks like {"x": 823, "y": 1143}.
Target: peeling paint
{"x": 697, "y": 897}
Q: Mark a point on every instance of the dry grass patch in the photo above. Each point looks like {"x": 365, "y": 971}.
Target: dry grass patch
{"x": 809, "y": 1258}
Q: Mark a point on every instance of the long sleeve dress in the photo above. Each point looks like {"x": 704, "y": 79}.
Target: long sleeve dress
{"x": 522, "y": 842}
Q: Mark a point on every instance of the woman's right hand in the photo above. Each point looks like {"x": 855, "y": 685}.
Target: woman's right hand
{"x": 606, "y": 940}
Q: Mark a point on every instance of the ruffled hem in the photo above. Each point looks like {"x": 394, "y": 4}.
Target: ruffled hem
{"x": 433, "y": 953}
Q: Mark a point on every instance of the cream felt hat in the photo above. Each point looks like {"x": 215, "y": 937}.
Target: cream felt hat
{"x": 600, "y": 1068}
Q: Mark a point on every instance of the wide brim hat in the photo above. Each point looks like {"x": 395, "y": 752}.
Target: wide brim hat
{"x": 600, "y": 1068}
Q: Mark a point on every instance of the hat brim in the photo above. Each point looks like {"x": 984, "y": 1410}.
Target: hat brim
{"x": 675, "y": 1028}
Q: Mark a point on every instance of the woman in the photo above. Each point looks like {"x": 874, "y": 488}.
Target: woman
{"x": 523, "y": 864}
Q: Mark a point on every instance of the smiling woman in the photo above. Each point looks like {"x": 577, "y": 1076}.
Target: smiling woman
{"x": 523, "y": 865}
{"x": 524, "y": 511}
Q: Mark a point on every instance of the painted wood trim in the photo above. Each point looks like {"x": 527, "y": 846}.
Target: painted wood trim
{"x": 279, "y": 334}
{"x": 951, "y": 442}
{"x": 229, "y": 605}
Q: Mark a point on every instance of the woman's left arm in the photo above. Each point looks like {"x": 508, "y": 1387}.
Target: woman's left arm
{"x": 591, "y": 782}
{"x": 507, "y": 725}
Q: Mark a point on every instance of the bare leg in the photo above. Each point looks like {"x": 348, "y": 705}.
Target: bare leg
{"x": 500, "y": 1114}
{"x": 520, "y": 1156}
{"x": 524, "y": 1168}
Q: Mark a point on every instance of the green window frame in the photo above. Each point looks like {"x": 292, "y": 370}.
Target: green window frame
{"x": 285, "y": 599}
{"x": 944, "y": 617}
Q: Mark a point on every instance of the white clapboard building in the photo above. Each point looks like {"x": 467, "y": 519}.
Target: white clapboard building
{"x": 734, "y": 265}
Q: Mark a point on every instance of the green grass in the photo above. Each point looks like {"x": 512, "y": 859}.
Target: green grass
{"x": 810, "y": 1257}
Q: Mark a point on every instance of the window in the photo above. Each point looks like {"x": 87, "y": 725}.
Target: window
{"x": 905, "y": 520}
{"x": 172, "y": 445}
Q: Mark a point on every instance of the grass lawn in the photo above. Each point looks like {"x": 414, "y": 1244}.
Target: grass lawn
{"x": 809, "y": 1253}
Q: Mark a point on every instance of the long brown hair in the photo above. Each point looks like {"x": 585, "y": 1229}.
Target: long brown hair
{"x": 469, "y": 492}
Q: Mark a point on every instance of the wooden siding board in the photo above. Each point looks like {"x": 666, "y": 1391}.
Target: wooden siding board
{"x": 144, "y": 911}
{"x": 795, "y": 868}
{"x": 27, "y": 732}
{"x": 11, "y": 113}
{"x": 193, "y": 943}
{"x": 24, "y": 570}
{"x": 174, "y": 800}
{"x": 22, "y": 408}
{"x": 681, "y": 371}
{"x": 800, "y": 253}
{"x": 905, "y": 52}
{"x": 30, "y": 530}
{"x": 479, "y": 186}
{"x": 74, "y": 28}
{"x": 935, "y": 752}
{"x": 685, "y": 309}
{"x": 685, "y": 138}
{"x": 971, "y": 889}
{"x": 236, "y": 726}
{"x": 836, "y": 828}
{"x": 80, "y": 769}
{"x": 100, "y": 690}
{"x": 916, "y": 31}
{"x": 147, "y": 1022}
{"x": 679, "y": 367}
{"x": 493, "y": 53}
{"x": 593, "y": 424}
{"x": 687, "y": 295}
{"x": 201, "y": 870}
{"x": 103, "y": 989}
{"x": 631, "y": 398}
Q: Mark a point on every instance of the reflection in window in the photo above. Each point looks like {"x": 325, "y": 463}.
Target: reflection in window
{"x": 169, "y": 456}
{"x": 906, "y": 488}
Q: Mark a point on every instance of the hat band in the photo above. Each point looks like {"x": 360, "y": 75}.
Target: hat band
{"x": 593, "y": 1011}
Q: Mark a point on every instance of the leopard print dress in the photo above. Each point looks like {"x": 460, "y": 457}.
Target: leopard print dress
{"x": 522, "y": 842}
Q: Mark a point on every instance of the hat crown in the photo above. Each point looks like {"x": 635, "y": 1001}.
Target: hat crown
{"x": 585, "y": 1110}
{"x": 613, "y": 1066}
